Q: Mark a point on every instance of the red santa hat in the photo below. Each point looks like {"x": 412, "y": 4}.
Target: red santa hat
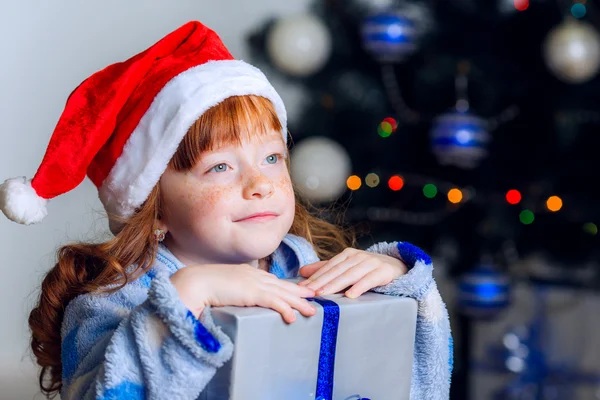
{"x": 123, "y": 124}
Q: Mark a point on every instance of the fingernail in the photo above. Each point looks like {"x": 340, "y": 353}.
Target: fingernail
{"x": 320, "y": 292}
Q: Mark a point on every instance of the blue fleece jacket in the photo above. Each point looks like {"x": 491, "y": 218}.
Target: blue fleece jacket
{"x": 141, "y": 342}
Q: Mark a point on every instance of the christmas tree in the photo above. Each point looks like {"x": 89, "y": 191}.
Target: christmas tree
{"x": 467, "y": 127}
{"x": 465, "y": 122}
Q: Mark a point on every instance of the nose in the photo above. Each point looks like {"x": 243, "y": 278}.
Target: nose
{"x": 257, "y": 186}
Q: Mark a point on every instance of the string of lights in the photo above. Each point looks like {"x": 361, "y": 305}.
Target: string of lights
{"x": 456, "y": 197}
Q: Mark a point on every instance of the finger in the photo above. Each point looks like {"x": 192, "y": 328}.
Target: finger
{"x": 335, "y": 271}
{"x": 328, "y": 264}
{"x": 324, "y": 267}
{"x": 310, "y": 269}
{"x": 299, "y": 291}
{"x": 348, "y": 278}
{"x": 373, "y": 279}
{"x": 303, "y": 306}
{"x": 273, "y": 301}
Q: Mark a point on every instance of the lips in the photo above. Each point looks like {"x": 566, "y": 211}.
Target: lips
{"x": 259, "y": 217}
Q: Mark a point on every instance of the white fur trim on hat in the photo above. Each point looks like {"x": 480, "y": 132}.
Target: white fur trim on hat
{"x": 173, "y": 111}
{"x": 20, "y": 203}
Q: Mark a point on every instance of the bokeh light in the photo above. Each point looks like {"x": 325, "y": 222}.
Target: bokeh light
{"x": 396, "y": 183}
{"x": 430, "y": 190}
{"x": 578, "y": 10}
{"x": 554, "y": 203}
{"x": 591, "y": 228}
{"x": 372, "y": 180}
{"x": 354, "y": 182}
{"x": 455, "y": 196}
{"x": 513, "y": 196}
{"x": 392, "y": 123}
{"x": 521, "y": 5}
{"x": 384, "y": 129}
{"x": 526, "y": 217}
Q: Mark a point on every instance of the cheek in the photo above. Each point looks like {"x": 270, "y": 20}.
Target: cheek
{"x": 203, "y": 201}
{"x": 286, "y": 190}
{"x": 284, "y": 186}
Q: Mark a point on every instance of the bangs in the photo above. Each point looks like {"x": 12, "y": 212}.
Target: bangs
{"x": 230, "y": 122}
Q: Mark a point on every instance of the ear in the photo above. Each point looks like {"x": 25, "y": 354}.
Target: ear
{"x": 160, "y": 224}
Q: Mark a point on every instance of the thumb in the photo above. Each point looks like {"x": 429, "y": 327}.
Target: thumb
{"x": 309, "y": 269}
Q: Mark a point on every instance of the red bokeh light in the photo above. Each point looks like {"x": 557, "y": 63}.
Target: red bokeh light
{"x": 521, "y": 5}
{"x": 392, "y": 122}
{"x": 513, "y": 196}
{"x": 396, "y": 183}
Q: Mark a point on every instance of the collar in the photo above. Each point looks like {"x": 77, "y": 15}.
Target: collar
{"x": 293, "y": 253}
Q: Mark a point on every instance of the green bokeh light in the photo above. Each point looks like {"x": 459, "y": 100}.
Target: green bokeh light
{"x": 590, "y": 228}
{"x": 526, "y": 217}
{"x": 384, "y": 131}
{"x": 430, "y": 190}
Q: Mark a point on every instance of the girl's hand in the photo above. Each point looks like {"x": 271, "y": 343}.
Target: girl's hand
{"x": 357, "y": 268}
{"x": 240, "y": 285}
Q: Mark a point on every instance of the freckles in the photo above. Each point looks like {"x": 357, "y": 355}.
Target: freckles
{"x": 285, "y": 185}
{"x": 206, "y": 199}
{"x": 216, "y": 195}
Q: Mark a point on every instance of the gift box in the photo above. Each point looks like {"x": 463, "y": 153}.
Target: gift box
{"x": 351, "y": 349}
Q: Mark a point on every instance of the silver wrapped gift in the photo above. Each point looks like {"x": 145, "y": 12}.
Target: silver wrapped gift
{"x": 272, "y": 360}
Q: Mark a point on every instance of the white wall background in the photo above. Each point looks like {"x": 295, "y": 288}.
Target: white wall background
{"x": 47, "y": 48}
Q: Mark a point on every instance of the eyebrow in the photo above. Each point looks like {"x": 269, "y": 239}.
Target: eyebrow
{"x": 269, "y": 141}
{"x": 273, "y": 139}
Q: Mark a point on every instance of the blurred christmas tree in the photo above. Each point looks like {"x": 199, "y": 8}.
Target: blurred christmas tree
{"x": 465, "y": 124}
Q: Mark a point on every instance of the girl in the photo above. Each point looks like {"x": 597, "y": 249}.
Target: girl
{"x": 187, "y": 147}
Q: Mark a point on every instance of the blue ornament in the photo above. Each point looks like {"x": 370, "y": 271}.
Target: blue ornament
{"x": 389, "y": 36}
{"x": 483, "y": 292}
{"x": 459, "y": 139}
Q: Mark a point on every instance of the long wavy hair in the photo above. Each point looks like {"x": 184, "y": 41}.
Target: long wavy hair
{"x": 89, "y": 267}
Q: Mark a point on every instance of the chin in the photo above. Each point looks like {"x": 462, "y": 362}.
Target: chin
{"x": 261, "y": 246}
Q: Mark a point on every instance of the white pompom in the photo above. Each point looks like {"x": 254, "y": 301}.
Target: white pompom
{"x": 20, "y": 203}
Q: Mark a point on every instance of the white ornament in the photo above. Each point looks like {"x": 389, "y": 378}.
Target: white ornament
{"x": 572, "y": 51}
{"x": 320, "y": 168}
{"x": 299, "y": 45}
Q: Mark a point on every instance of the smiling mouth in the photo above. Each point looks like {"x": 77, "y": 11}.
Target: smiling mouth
{"x": 259, "y": 217}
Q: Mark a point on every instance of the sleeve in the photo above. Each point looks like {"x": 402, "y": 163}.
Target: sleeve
{"x": 433, "y": 354}
{"x": 115, "y": 347}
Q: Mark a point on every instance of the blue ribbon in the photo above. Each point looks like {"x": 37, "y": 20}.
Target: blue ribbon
{"x": 331, "y": 319}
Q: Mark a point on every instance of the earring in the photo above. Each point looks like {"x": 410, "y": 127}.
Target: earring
{"x": 159, "y": 235}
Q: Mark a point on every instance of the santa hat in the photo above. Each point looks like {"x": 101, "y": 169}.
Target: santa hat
{"x": 123, "y": 124}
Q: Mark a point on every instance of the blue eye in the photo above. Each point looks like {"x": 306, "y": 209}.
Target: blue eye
{"x": 219, "y": 168}
{"x": 272, "y": 159}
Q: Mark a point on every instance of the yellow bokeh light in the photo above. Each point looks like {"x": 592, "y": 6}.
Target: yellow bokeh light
{"x": 354, "y": 182}
{"x": 554, "y": 203}
{"x": 455, "y": 196}
{"x": 372, "y": 180}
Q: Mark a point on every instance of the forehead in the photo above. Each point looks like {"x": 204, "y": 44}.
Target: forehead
{"x": 254, "y": 138}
